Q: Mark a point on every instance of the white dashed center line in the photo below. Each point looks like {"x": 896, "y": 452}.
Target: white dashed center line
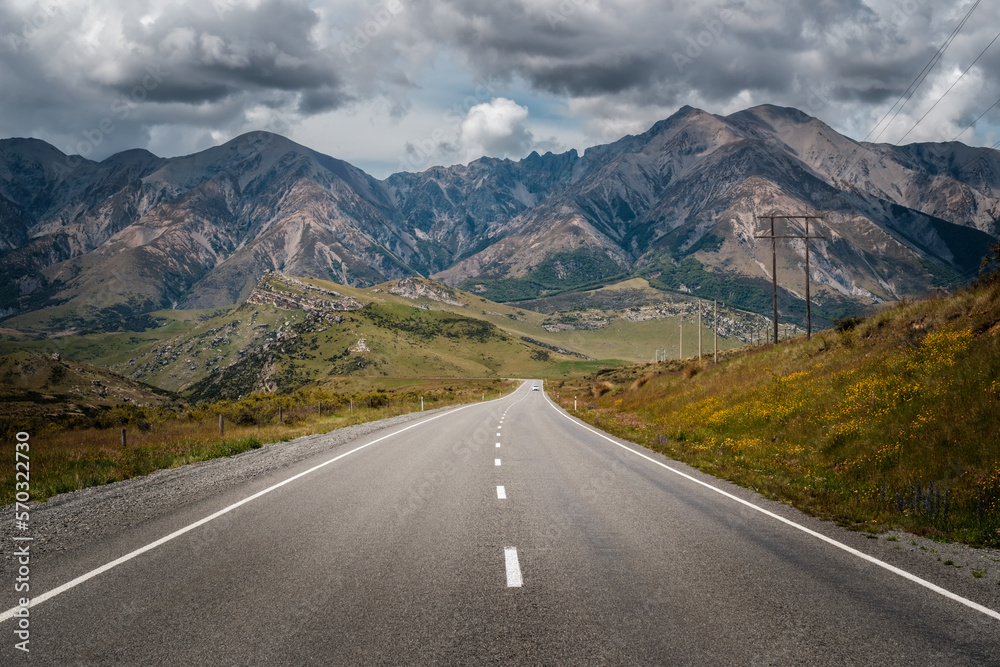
{"x": 498, "y": 444}
{"x": 513, "y": 567}
{"x": 496, "y": 462}
{"x": 501, "y": 493}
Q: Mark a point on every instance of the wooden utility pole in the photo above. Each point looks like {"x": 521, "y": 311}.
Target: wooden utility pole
{"x": 699, "y": 331}
{"x": 808, "y": 304}
{"x": 774, "y": 264}
{"x": 774, "y": 280}
{"x": 680, "y": 343}
{"x": 716, "y": 331}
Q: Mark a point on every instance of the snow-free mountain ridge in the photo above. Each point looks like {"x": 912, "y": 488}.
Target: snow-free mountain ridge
{"x": 97, "y": 243}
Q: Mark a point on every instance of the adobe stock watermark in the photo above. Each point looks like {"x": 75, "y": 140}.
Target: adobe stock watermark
{"x": 223, "y": 7}
{"x": 277, "y": 124}
{"x": 594, "y": 491}
{"x": 435, "y": 481}
{"x": 366, "y": 31}
{"x": 420, "y": 152}
{"x": 613, "y": 130}
{"x": 712, "y": 31}
{"x": 903, "y": 9}
{"x": 121, "y": 108}
{"x": 32, "y": 24}
{"x": 815, "y": 102}
{"x": 563, "y": 11}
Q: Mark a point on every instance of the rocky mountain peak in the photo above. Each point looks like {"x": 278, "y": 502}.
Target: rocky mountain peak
{"x": 677, "y": 204}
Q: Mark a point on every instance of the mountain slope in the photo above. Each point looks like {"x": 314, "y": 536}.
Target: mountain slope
{"x": 92, "y": 245}
{"x": 691, "y": 190}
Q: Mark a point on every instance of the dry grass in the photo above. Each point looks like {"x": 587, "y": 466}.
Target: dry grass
{"x": 599, "y": 389}
{"x": 64, "y": 460}
{"x": 693, "y": 368}
{"x": 640, "y": 382}
{"x": 893, "y": 423}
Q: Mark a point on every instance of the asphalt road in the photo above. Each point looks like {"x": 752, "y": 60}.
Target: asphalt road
{"x": 405, "y": 551}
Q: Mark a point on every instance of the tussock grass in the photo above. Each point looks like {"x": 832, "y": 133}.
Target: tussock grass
{"x": 600, "y": 389}
{"x": 892, "y": 422}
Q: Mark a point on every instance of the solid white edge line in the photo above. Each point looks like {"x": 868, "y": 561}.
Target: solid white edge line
{"x": 513, "y": 567}
{"x": 48, "y": 595}
{"x": 501, "y": 493}
{"x": 829, "y": 540}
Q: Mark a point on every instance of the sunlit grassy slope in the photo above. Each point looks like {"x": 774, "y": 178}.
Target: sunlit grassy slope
{"x": 454, "y": 334}
{"x": 894, "y": 422}
{"x": 633, "y": 341}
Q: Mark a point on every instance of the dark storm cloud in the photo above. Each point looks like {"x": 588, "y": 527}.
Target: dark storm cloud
{"x": 609, "y": 75}
{"x": 113, "y": 73}
{"x": 268, "y": 47}
{"x": 193, "y": 72}
{"x": 650, "y": 52}
{"x": 720, "y": 48}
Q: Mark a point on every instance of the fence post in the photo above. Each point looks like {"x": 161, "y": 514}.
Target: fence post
{"x": 222, "y": 428}
{"x": 124, "y": 441}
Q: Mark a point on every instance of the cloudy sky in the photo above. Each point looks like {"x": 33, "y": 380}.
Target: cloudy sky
{"x": 406, "y": 84}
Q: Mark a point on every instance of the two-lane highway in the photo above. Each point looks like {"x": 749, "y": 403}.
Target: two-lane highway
{"x": 498, "y": 533}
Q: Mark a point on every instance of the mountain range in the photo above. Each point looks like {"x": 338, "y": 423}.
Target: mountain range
{"x": 87, "y": 244}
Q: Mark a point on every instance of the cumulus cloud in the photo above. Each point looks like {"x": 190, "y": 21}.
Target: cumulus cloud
{"x": 646, "y": 55}
{"x": 496, "y": 128}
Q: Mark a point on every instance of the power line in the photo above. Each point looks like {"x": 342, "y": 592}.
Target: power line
{"x": 910, "y": 90}
{"x": 949, "y": 90}
{"x": 955, "y": 138}
{"x": 935, "y": 59}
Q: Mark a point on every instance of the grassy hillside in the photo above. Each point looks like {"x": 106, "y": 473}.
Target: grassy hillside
{"x": 38, "y": 389}
{"x": 424, "y": 329}
{"x": 625, "y": 321}
{"x": 893, "y": 420}
{"x": 211, "y": 355}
